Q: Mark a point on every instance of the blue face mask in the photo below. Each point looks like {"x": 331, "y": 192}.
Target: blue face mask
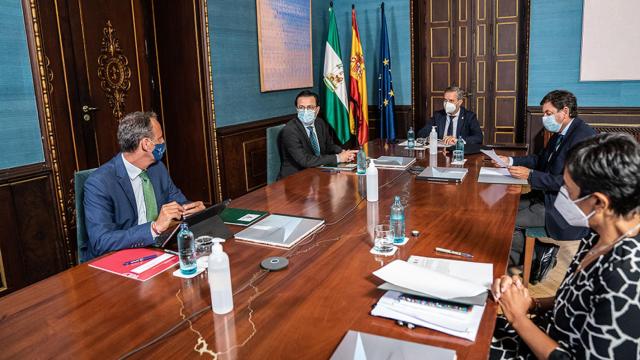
{"x": 158, "y": 151}
{"x": 549, "y": 122}
{"x": 307, "y": 116}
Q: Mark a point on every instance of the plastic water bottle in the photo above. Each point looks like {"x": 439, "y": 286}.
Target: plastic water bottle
{"x": 460, "y": 144}
{"x": 361, "y": 161}
{"x": 220, "y": 279}
{"x": 396, "y": 221}
{"x": 372, "y": 182}
{"x": 433, "y": 141}
{"x": 187, "y": 250}
{"x": 411, "y": 138}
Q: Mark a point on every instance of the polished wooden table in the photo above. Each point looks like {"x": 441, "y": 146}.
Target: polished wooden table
{"x": 301, "y": 312}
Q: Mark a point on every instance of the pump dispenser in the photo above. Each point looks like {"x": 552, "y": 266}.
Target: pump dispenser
{"x": 220, "y": 279}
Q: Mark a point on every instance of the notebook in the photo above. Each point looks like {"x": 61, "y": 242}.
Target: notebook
{"x": 119, "y": 263}
{"x": 393, "y": 162}
{"x": 356, "y": 345}
{"x": 443, "y": 174}
{"x": 205, "y": 222}
{"x": 242, "y": 217}
{"x": 283, "y": 231}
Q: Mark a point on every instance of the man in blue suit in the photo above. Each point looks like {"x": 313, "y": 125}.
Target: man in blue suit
{"x": 544, "y": 173}
{"x": 465, "y": 123}
{"x": 131, "y": 199}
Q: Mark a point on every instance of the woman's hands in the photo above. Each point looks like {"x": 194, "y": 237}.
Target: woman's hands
{"x": 513, "y": 297}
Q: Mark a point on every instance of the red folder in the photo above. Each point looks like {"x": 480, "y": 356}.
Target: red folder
{"x": 116, "y": 263}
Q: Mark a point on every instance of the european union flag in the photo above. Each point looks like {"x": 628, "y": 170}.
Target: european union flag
{"x": 386, "y": 98}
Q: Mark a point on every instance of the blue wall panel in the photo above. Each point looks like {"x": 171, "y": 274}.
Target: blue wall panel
{"x": 554, "y": 59}
{"x": 20, "y": 141}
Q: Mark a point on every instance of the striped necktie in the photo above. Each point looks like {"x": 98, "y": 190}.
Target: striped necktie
{"x": 149, "y": 197}
{"x": 314, "y": 141}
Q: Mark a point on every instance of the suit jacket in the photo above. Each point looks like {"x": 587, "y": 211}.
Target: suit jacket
{"x": 468, "y": 127}
{"x": 296, "y": 151}
{"x": 111, "y": 214}
{"x": 546, "y": 177}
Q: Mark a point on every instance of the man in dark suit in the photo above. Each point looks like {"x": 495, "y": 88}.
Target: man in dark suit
{"x": 465, "y": 123}
{"x": 131, "y": 199}
{"x": 544, "y": 173}
{"x": 306, "y": 140}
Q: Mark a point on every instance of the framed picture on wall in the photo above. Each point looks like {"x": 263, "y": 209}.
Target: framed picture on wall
{"x": 284, "y": 44}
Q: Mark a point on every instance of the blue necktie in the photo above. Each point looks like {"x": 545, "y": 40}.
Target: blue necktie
{"x": 314, "y": 141}
{"x": 450, "y": 128}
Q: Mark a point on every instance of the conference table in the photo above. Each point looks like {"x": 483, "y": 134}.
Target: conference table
{"x": 301, "y": 312}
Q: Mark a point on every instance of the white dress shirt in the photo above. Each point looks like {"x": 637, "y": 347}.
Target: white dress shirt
{"x": 136, "y": 183}
{"x": 455, "y": 124}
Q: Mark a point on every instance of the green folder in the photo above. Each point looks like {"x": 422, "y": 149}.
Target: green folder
{"x": 242, "y": 217}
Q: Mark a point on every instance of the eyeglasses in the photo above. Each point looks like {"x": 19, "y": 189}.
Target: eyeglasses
{"x": 310, "y": 107}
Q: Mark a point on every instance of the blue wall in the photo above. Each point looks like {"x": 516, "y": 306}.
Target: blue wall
{"x": 236, "y": 68}
{"x": 369, "y": 23}
{"x": 20, "y": 141}
{"x": 554, "y": 58}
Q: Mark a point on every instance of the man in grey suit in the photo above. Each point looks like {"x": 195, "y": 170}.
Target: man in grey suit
{"x": 306, "y": 140}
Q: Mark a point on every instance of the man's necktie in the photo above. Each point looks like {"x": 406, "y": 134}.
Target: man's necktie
{"x": 450, "y": 129}
{"x": 314, "y": 141}
{"x": 555, "y": 149}
{"x": 149, "y": 197}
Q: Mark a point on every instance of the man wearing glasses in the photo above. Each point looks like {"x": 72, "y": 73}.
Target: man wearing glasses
{"x": 306, "y": 141}
{"x": 454, "y": 120}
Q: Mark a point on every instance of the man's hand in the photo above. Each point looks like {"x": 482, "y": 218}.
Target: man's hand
{"x": 519, "y": 172}
{"x": 347, "y": 155}
{"x": 170, "y": 212}
{"x": 192, "y": 208}
{"x": 503, "y": 158}
{"x": 449, "y": 140}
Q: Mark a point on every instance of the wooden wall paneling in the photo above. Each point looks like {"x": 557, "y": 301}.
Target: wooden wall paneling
{"x": 403, "y": 115}
{"x": 601, "y": 119}
{"x": 183, "y": 90}
{"x": 13, "y": 272}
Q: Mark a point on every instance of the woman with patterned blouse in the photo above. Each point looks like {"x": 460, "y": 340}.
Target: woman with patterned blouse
{"x": 596, "y": 311}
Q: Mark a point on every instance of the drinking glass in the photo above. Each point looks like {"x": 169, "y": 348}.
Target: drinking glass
{"x": 458, "y": 156}
{"x": 383, "y": 239}
{"x": 203, "y": 245}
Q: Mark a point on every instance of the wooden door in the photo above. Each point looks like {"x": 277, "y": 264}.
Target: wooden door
{"x": 112, "y": 68}
{"x": 477, "y": 45}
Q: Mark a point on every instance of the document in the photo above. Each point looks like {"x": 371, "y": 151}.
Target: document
{"x": 242, "y": 217}
{"x": 439, "y": 284}
{"x": 129, "y": 263}
{"x": 493, "y": 175}
{"x": 280, "y": 230}
{"x": 492, "y": 154}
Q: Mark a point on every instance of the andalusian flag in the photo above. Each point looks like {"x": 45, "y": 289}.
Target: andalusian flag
{"x": 335, "y": 86}
{"x": 358, "y": 105}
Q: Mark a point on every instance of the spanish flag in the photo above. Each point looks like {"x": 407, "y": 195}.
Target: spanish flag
{"x": 358, "y": 105}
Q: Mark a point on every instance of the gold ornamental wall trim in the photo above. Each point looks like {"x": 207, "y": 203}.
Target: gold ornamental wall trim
{"x": 113, "y": 71}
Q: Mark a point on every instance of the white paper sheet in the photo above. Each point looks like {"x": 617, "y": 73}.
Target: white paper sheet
{"x": 427, "y": 281}
{"x": 492, "y": 154}
{"x": 473, "y": 272}
{"x": 495, "y": 171}
{"x": 148, "y": 265}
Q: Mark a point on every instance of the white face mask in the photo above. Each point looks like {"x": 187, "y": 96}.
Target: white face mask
{"x": 450, "y": 108}
{"x": 570, "y": 211}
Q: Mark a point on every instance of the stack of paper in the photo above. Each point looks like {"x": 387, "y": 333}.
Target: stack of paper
{"x": 492, "y": 175}
{"x": 443, "y": 174}
{"x": 440, "y": 294}
{"x": 394, "y": 162}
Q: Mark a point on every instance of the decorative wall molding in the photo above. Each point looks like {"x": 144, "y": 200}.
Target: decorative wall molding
{"x": 114, "y": 71}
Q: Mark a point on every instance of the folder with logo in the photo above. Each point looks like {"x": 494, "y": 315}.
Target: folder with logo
{"x": 282, "y": 231}
{"x": 443, "y": 174}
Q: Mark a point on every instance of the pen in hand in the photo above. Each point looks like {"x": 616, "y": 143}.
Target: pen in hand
{"x": 135, "y": 261}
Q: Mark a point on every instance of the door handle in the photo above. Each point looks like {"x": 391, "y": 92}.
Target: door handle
{"x": 86, "y": 111}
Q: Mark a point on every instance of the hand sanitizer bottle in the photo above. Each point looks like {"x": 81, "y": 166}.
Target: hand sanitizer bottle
{"x": 433, "y": 141}
{"x": 372, "y": 182}
{"x": 361, "y": 161}
{"x": 220, "y": 279}
{"x": 411, "y": 138}
{"x": 187, "y": 250}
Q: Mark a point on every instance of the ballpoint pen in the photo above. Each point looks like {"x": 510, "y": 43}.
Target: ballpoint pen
{"x": 453, "y": 252}
{"x": 135, "y": 261}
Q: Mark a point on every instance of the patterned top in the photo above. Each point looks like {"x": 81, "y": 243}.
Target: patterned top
{"x": 596, "y": 314}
